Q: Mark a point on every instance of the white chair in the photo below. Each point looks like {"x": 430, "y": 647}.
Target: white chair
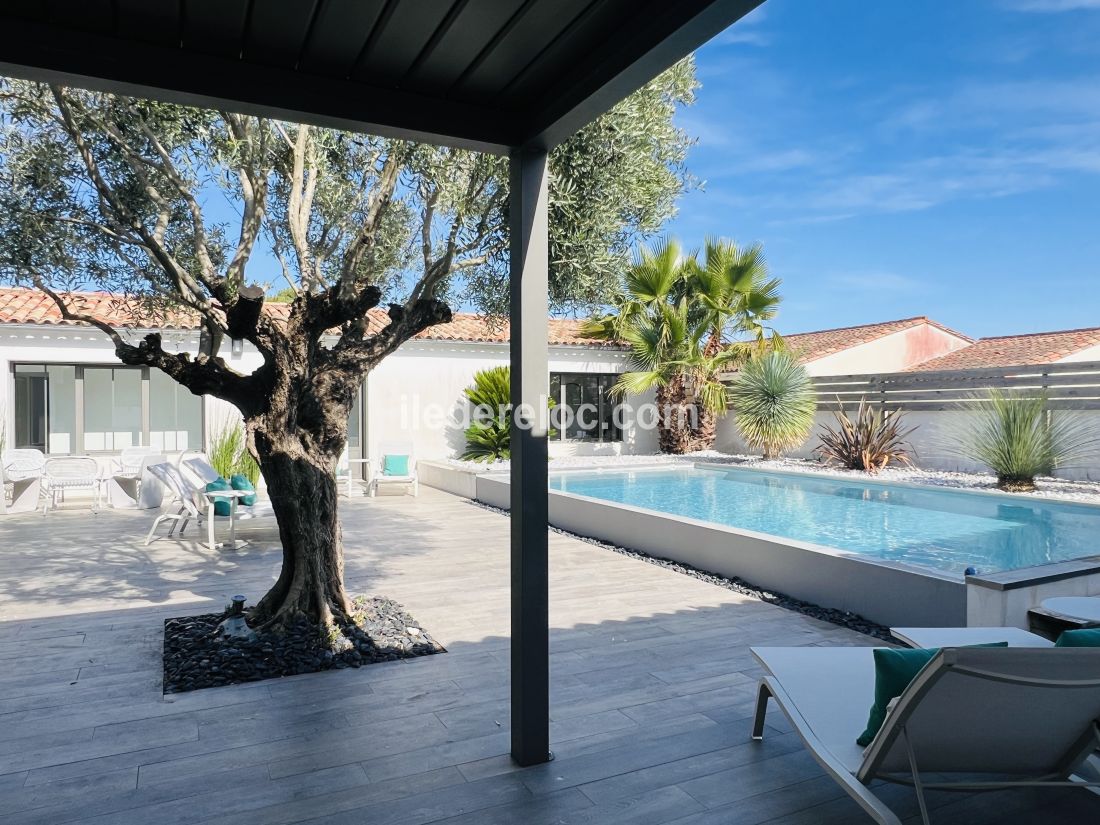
{"x": 137, "y": 489}
{"x": 995, "y": 717}
{"x": 62, "y": 474}
{"x": 22, "y": 469}
{"x": 378, "y": 474}
{"x": 129, "y": 460}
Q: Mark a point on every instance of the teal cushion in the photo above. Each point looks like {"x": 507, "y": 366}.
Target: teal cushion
{"x": 1086, "y": 637}
{"x": 221, "y": 505}
{"x": 395, "y": 465}
{"x": 894, "y": 669}
{"x": 240, "y": 482}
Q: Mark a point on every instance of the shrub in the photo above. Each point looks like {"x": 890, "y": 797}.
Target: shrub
{"x": 1015, "y": 436}
{"x": 229, "y": 454}
{"x": 489, "y": 436}
{"x": 775, "y": 402}
{"x": 868, "y": 443}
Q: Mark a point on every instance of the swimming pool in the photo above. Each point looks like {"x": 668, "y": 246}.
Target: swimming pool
{"x": 939, "y": 529}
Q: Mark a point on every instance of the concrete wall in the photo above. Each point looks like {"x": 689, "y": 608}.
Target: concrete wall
{"x": 884, "y": 593}
{"x": 1004, "y": 599}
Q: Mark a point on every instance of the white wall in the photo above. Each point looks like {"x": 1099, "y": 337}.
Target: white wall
{"x": 1087, "y": 354}
{"x": 415, "y": 394}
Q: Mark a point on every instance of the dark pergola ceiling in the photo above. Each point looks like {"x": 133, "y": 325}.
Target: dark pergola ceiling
{"x": 486, "y": 74}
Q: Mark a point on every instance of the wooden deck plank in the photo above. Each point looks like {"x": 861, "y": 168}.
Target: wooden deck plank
{"x": 651, "y": 691}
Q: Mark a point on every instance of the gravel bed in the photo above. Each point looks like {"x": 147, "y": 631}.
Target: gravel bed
{"x": 852, "y": 621}
{"x": 1087, "y": 492}
{"x": 197, "y": 656}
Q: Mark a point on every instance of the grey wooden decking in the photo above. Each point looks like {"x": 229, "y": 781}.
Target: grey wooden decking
{"x": 652, "y": 689}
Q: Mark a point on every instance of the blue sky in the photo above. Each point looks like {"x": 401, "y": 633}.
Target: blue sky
{"x": 904, "y": 158}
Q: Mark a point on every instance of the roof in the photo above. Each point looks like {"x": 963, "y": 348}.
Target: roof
{"x": 1015, "y": 350}
{"x": 814, "y": 345}
{"x": 486, "y": 75}
{"x": 29, "y": 306}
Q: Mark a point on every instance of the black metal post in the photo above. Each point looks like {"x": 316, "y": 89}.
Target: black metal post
{"x": 529, "y": 483}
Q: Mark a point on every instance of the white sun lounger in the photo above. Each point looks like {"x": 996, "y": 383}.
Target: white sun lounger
{"x": 1019, "y": 716}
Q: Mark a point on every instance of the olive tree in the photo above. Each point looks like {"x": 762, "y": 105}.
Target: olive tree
{"x": 174, "y": 208}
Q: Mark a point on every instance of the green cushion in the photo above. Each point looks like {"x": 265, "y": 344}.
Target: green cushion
{"x": 395, "y": 465}
{"x": 895, "y": 668}
{"x": 240, "y": 482}
{"x": 221, "y": 505}
{"x": 1086, "y": 637}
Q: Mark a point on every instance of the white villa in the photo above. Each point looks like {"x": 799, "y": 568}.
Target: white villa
{"x": 64, "y": 392}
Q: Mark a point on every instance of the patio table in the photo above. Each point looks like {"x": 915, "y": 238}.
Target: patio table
{"x": 1079, "y": 608}
{"x": 234, "y": 497}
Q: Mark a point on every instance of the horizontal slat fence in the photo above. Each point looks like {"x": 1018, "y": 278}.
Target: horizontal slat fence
{"x": 1067, "y": 386}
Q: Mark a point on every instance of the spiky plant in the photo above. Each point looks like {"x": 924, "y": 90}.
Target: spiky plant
{"x": 1018, "y": 439}
{"x": 868, "y": 443}
{"x": 489, "y": 436}
{"x": 773, "y": 397}
{"x": 229, "y": 454}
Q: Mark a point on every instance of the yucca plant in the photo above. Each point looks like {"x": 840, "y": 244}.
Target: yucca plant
{"x": 868, "y": 443}
{"x": 775, "y": 402}
{"x": 1018, "y": 439}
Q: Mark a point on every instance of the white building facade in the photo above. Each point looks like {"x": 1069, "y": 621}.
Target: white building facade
{"x": 64, "y": 392}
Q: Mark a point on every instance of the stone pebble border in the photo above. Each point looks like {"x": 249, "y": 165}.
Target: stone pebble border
{"x": 196, "y": 656}
{"x": 851, "y": 621}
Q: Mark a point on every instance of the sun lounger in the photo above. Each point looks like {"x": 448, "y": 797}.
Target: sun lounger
{"x": 1013, "y": 717}
{"x": 193, "y": 503}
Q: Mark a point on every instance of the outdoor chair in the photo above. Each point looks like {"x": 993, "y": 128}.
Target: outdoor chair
{"x": 998, "y": 717}
{"x": 378, "y": 475}
{"x": 134, "y": 487}
{"x": 187, "y": 486}
{"x": 129, "y": 460}
{"x": 67, "y": 473}
{"x": 22, "y": 469}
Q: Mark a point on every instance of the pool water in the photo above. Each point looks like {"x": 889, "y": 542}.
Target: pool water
{"x": 941, "y": 529}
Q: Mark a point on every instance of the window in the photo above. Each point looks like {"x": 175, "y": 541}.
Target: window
{"x": 66, "y": 408}
{"x": 112, "y": 408}
{"x": 175, "y": 415}
{"x": 586, "y": 411}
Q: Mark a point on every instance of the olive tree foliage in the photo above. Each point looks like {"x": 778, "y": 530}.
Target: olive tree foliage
{"x": 176, "y": 209}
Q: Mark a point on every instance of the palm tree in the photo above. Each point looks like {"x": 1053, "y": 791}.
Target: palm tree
{"x": 687, "y": 323}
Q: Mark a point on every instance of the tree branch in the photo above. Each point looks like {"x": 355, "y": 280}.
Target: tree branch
{"x": 202, "y": 376}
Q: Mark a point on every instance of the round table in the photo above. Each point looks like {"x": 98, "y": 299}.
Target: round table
{"x": 1082, "y": 608}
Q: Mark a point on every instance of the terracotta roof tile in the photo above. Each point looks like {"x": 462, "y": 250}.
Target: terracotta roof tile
{"x": 814, "y": 345}
{"x": 1015, "y": 350}
{"x": 28, "y": 306}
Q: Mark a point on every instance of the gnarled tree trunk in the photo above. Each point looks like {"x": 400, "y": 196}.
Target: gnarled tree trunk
{"x": 302, "y": 488}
